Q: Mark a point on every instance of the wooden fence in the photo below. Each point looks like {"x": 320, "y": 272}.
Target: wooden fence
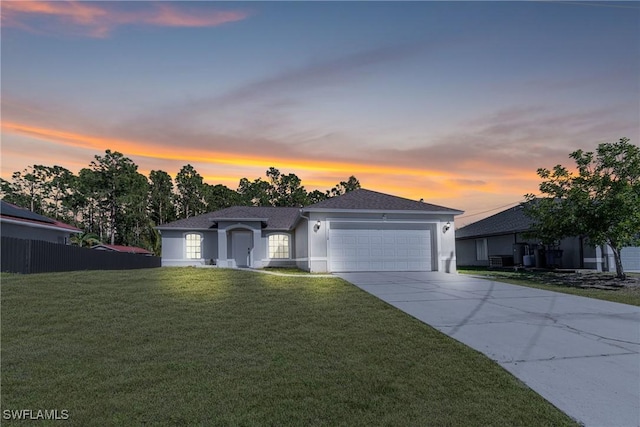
{"x": 35, "y": 256}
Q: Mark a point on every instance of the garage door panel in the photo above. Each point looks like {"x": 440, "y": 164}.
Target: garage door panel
{"x": 363, "y": 240}
{"x": 349, "y": 240}
{"x": 363, "y": 253}
{"x": 415, "y": 252}
{"x": 380, "y": 250}
{"x": 377, "y": 252}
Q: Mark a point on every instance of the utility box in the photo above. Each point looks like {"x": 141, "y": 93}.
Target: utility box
{"x": 519, "y": 251}
{"x": 501, "y": 261}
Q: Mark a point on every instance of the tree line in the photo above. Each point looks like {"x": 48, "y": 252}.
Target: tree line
{"x": 114, "y": 203}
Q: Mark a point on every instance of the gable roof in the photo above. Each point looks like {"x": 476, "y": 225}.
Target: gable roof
{"x": 285, "y": 218}
{"x": 367, "y": 200}
{"x": 15, "y": 214}
{"x": 121, "y": 248}
{"x": 512, "y": 220}
{"x": 273, "y": 218}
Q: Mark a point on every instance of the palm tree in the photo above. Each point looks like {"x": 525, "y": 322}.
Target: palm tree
{"x": 85, "y": 239}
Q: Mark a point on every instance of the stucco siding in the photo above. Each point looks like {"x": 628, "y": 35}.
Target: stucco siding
{"x": 172, "y": 244}
{"x": 466, "y": 253}
{"x": 630, "y": 257}
{"x": 278, "y": 262}
{"x": 501, "y": 245}
{"x": 210, "y": 246}
{"x": 302, "y": 244}
{"x": 174, "y": 248}
{"x": 32, "y": 233}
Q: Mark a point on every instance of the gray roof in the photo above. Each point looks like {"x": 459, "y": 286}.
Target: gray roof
{"x": 10, "y": 212}
{"x": 512, "y": 220}
{"x": 274, "y": 218}
{"x": 363, "y": 199}
{"x": 8, "y": 209}
{"x": 281, "y": 218}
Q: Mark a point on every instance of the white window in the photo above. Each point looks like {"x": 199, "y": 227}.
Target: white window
{"x": 279, "y": 246}
{"x": 482, "y": 253}
{"x": 193, "y": 246}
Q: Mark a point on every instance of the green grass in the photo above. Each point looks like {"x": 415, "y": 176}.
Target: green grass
{"x": 287, "y": 270}
{"x": 553, "y": 282}
{"x": 186, "y": 346}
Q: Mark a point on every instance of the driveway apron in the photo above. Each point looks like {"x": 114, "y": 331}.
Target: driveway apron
{"x": 581, "y": 354}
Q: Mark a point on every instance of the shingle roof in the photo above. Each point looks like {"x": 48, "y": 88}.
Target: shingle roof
{"x": 121, "y": 248}
{"x": 363, "y": 199}
{"x": 12, "y": 212}
{"x": 282, "y": 218}
{"x": 8, "y": 209}
{"x": 276, "y": 218}
{"x": 512, "y": 220}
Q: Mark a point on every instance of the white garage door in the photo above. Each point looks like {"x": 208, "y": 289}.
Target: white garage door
{"x": 379, "y": 250}
{"x": 630, "y": 259}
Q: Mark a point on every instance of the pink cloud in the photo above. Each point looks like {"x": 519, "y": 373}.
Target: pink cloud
{"x": 96, "y": 20}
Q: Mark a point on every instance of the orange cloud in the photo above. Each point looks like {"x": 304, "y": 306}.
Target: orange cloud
{"x": 454, "y": 189}
{"x": 138, "y": 148}
{"x": 98, "y": 21}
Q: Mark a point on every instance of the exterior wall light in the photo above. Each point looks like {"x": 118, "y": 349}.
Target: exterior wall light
{"x": 316, "y": 227}
{"x": 446, "y": 227}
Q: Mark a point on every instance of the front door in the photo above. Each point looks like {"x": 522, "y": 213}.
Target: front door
{"x": 241, "y": 247}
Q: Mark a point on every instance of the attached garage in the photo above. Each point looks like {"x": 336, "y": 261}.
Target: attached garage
{"x": 381, "y": 247}
{"x": 361, "y": 230}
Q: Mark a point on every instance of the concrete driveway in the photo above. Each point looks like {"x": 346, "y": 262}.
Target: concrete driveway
{"x": 581, "y": 354}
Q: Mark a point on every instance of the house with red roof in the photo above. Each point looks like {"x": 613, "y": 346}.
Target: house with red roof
{"x": 121, "y": 248}
{"x": 21, "y": 223}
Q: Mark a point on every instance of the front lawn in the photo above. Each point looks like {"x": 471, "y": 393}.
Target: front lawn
{"x": 185, "y": 346}
{"x": 567, "y": 283}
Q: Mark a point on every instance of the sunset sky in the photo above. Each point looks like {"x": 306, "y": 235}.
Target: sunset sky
{"x": 455, "y": 102}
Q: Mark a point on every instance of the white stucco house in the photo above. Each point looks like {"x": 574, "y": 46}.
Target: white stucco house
{"x": 361, "y": 230}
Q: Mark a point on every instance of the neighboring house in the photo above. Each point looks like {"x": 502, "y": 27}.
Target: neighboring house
{"x": 361, "y": 230}
{"x": 23, "y": 224}
{"x": 120, "y": 248}
{"x": 502, "y": 234}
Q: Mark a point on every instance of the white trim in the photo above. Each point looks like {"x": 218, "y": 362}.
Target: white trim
{"x": 184, "y": 244}
{"x": 238, "y": 227}
{"x": 383, "y": 221}
{"x": 380, "y": 211}
{"x": 160, "y": 228}
{"x": 289, "y": 244}
{"x": 180, "y": 262}
{"x": 297, "y": 259}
